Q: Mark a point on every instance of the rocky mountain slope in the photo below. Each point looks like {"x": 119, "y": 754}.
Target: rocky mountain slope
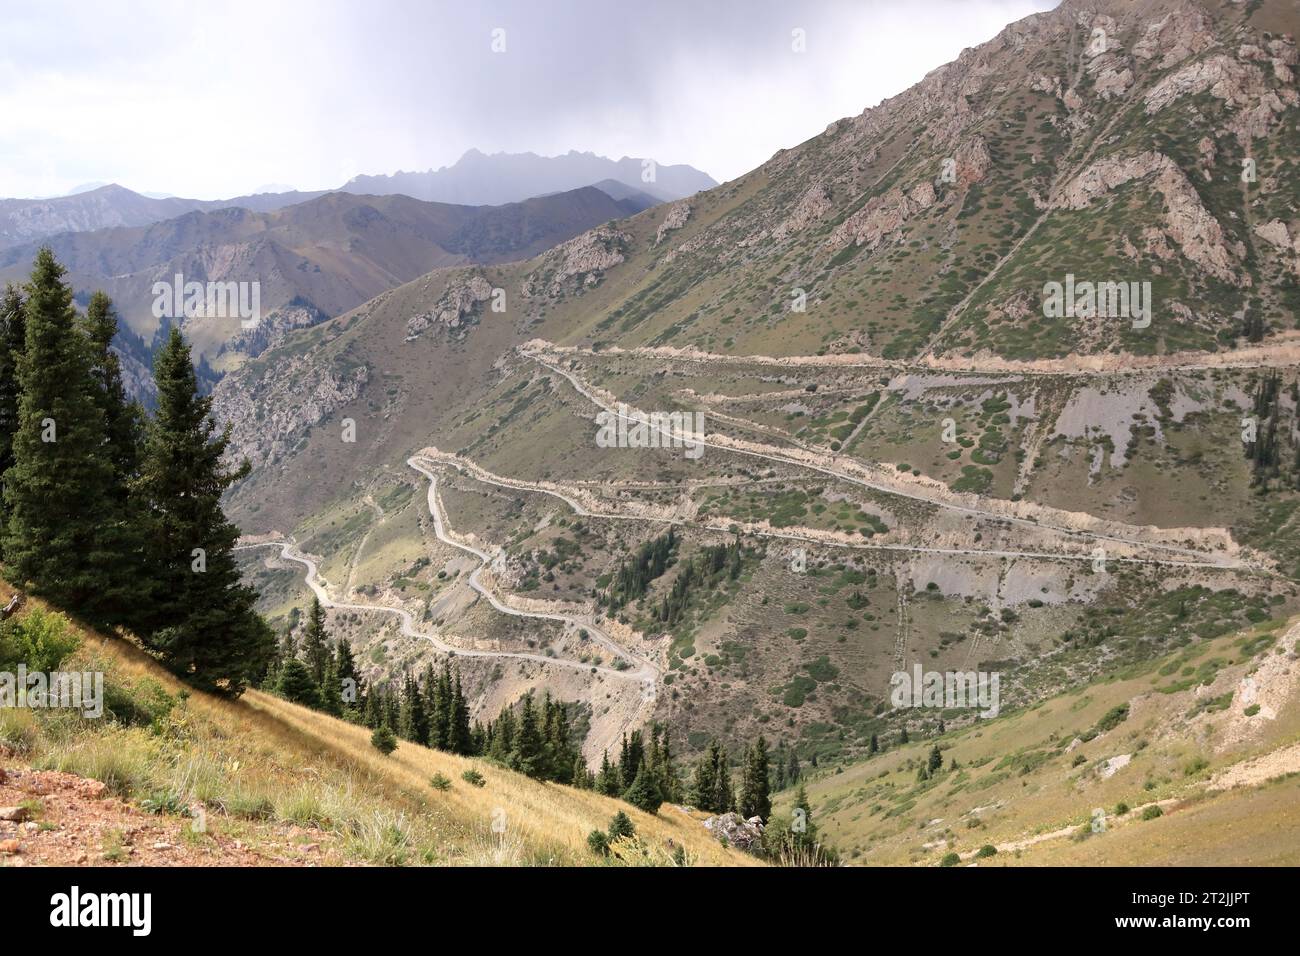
{"x": 920, "y": 460}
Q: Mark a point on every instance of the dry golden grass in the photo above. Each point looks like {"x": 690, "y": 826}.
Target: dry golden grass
{"x": 876, "y": 812}
{"x": 261, "y": 766}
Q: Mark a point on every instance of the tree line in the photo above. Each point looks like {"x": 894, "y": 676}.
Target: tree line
{"x": 541, "y": 739}
{"x": 108, "y": 512}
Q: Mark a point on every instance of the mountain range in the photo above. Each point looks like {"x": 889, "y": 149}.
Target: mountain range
{"x": 919, "y": 459}
{"x": 475, "y": 180}
{"x": 479, "y": 178}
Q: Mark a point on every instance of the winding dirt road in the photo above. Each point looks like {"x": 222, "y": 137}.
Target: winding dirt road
{"x": 1191, "y": 557}
{"x": 642, "y": 670}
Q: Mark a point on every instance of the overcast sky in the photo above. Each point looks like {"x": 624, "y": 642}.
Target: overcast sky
{"x": 210, "y": 100}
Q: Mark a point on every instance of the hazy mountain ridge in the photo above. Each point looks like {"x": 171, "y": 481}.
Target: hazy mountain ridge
{"x": 475, "y": 180}
{"x": 481, "y": 179}
{"x": 111, "y": 206}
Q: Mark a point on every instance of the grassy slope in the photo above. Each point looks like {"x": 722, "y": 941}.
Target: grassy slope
{"x": 261, "y": 764}
{"x": 878, "y": 813}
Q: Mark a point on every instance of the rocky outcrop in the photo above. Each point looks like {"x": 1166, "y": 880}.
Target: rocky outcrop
{"x": 459, "y": 303}
{"x": 1241, "y": 85}
{"x": 812, "y": 207}
{"x": 1276, "y": 234}
{"x": 678, "y": 214}
{"x": 973, "y": 161}
{"x": 586, "y": 257}
{"x": 883, "y": 216}
{"x": 1226, "y": 79}
{"x": 273, "y": 329}
{"x": 269, "y": 414}
{"x": 1174, "y": 38}
{"x": 736, "y": 831}
{"x": 1191, "y": 226}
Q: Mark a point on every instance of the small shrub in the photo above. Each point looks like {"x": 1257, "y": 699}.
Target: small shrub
{"x": 40, "y": 639}
{"x": 950, "y": 859}
{"x": 620, "y": 826}
{"x": 988, "y": 849}
{"x": 439, "y": 782}
{"x": 473, "y": 778}
{"x": 1151, "y": 812}
{"x": 598, "y": 843}
{"x": 383, "y": 740}
{"x": 1121, "y": 808}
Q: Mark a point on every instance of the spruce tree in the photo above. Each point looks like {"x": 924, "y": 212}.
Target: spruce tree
{"x": 704, "y": 786}
{"x": 294, "y": 683}
{"x": 607, "y": 781}
{"x": 755, "y": 799}
{"x": 205, "y": 627}
{"x": 935, "y": 761}
{"x": 345, "y": 674}
{"x": 123, "y": 419}
{"x": 56, "y": 489}
{"x": 331, "y": 697}
{"x": 526, "y": 756}
{"x": 461, "y": 739}
{"x": 315, "y": 642}
{"x": 440, "y": 717}
{"x": 120, "y": 536}
{"x": 644, "y": 793}
{"x": 724, "y": 797}
{"x": 13, "y": 342}
{"x": 414, "y": 723}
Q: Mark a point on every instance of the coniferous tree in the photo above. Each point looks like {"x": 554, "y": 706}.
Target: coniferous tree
{"x": 56, "y": 490}
{"x": 526, "y": 755}
{"x": 123, "y": 419}
{"x": 724, "y": 797}
{"x": 315, "y": 642}
{"x": 582, "y": 777}
{"x": 755, "y": 792}
{"x": 607, "y": 781}
{"x": 13, "y": 342}
{"x": 461, "y": 738}
{"x": 294, "y": 683}
{"x": 631, "y": 757}
{"x": 345, "y": 675}
{"x": 644, "y": 793}
{"x": 503, "y": 736}
{"x": 331, "y": 696}
{"x": 205, "y": 626}
{"x": 413, "y": 724}
{"x": 935, "y": 760}
{"x": 704, "y": 785}
{"x": 121, "y": 538}
{"x": 440, "y": 717}
{"x": 670, "y": 784}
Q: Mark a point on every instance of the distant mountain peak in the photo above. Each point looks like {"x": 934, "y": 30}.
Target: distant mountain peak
{"x": 478, "y": 178}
